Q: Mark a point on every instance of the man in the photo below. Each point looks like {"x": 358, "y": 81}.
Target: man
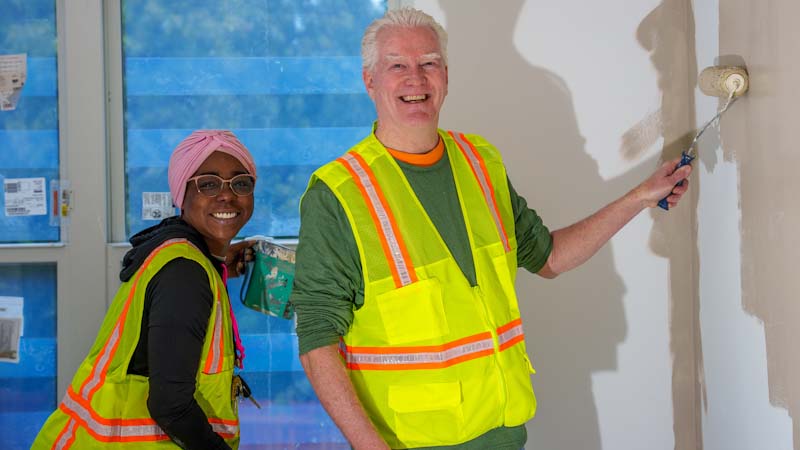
{"x": 408, "y": 322}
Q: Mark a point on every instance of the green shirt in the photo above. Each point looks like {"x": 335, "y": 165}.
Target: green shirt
{"x": 329, "y": 286}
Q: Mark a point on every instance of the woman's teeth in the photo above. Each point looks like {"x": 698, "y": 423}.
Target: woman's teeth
{"x": 224, "y": 215}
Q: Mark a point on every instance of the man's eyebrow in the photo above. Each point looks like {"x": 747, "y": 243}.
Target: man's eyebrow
{"x": 394, "y": 57}
{"x": 433, "y": 55}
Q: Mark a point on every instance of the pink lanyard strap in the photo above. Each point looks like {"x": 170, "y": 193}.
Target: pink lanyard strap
{"x": 236, "y": 339}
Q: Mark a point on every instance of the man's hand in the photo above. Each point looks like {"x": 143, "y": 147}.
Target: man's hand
{"x": 334, "y": 390}
{"x": 663, "y": 183}
{"x": 239, "y": 254}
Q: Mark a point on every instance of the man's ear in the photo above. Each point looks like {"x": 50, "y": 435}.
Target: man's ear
{"x": 446, "y": 80}
{"x": 366, "y": 75}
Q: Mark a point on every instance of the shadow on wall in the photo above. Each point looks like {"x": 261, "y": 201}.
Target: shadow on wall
{"x": 573, "y": 324}
{"x": 667, "y": 33}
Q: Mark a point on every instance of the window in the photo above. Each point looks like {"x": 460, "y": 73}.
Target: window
{"x": 29, "y": 166}
{"x": 29, "y": 132}
{"x": 283, "y": 75}
{"x": 28, "y": 386}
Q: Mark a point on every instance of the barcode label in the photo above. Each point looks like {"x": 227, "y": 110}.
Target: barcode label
{"x": 11, "y": 188}
{"x": 25, "y": 196}
{"x": 17, "y": 211}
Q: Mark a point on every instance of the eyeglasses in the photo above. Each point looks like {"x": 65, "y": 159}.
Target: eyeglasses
{"x": 212, "y": 185}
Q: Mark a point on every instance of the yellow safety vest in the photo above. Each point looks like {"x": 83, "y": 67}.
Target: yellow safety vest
{"x": 434, "y": 360}
{"x": 106, "y": 408}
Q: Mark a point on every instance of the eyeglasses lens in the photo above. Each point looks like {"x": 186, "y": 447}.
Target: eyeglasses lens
{"x": 212, "y": 185}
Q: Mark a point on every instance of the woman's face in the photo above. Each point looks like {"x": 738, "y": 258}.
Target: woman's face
{"x": 218, "y": 218}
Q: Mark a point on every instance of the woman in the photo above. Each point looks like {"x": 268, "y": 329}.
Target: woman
{"x": 160, "y": 374}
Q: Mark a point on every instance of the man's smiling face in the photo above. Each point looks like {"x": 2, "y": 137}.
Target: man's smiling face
{"x": 409, "y": 80}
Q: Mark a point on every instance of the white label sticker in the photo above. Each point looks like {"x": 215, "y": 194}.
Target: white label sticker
{"x": 11, "y": 328}
{"x": 25, "y": 196}
{"x": 157, "y": 205}
{"x": 13, "y": 71}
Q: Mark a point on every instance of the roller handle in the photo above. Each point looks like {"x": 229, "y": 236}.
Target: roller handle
{"x": 685, "y": 159}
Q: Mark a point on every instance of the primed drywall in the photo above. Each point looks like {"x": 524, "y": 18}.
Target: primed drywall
{"x": 582, "y": 98}
{"x": 668, "y": 33}
{"x": 748, "y": 236}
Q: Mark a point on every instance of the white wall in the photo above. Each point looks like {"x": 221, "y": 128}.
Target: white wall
{"x": 582, "y": 98}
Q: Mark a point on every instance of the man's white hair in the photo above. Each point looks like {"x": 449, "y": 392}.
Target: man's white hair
{"x": 402, "y": 17}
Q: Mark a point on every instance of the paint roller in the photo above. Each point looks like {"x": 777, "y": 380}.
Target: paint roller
{"x": 715, "y": 81}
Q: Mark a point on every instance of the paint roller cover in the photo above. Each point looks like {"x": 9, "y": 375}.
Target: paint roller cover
{"x": 720, "y": 81}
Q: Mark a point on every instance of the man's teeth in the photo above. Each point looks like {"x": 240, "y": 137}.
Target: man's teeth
{"x": 225, "y": 215}
{"x": 414, "y": 98}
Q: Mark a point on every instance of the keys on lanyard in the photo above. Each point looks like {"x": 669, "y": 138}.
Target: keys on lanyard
{"x": 241, "y": 389}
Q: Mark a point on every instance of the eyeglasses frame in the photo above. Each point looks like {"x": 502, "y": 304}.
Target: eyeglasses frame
{"x": 224, "y": 181}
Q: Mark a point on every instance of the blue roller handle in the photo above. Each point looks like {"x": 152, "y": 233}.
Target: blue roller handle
{"x": 685, "y": 159}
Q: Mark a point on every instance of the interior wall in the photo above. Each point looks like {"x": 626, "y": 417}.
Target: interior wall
{"x": 748, "y": 235}
{"x": 583, "y": 99}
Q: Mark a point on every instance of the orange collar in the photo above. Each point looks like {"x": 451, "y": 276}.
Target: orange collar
{"x": 428, "y": 158}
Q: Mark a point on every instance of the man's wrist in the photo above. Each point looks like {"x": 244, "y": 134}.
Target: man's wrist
{"x": 639, "y": 199}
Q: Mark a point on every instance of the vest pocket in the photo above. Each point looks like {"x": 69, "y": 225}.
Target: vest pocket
{"x": 427, "y": 414}
{"x": 413, "y": 313}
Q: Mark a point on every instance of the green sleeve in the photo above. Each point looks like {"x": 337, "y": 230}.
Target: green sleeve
{"x": 327, "y": 284}
{"x": 534, "y": 242}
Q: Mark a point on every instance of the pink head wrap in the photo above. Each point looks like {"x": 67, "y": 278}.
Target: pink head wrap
{"x": 190, "y": 154}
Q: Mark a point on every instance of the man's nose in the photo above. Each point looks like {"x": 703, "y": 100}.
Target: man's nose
{"x": 416, "y": 76}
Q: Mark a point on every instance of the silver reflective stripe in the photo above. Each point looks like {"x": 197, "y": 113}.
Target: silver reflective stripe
{"x": 509, "y": 334}
{"x": 100, "y": 365}
{"x": 147, "y": 431}
{"x": 223, "y": 429}
{"x": 215, "y": 362}
{"x": 61, "y": 444}
{"x": 383, "y": 218}
{"x": 111, "y": 431}
{"x": 440, "y": 357}
{"x": 119, "y": 430}
{"x": 484, "y": 183}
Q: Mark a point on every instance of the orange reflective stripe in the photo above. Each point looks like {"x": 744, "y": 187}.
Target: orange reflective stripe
{"x": 482, "y": 176}
{"x": 431, "y": 356}
{"x": 93, "y": 382}
{"x": 393, "y": 246}
{"x": 115, "y": 431}
{"x": 225, "y": 428}
{"x": 67, "y": 436}
{"x": 510, "y": 334}
{"x": 80, "y": 405}
{"x": 96, "y": 379}
{"x": 126, "y": 430}
{"x": 217, "y": 347}
{"x": 218, "y": 332}
{"x": 420, "y": 357}
{"x": 97, "y": 376}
